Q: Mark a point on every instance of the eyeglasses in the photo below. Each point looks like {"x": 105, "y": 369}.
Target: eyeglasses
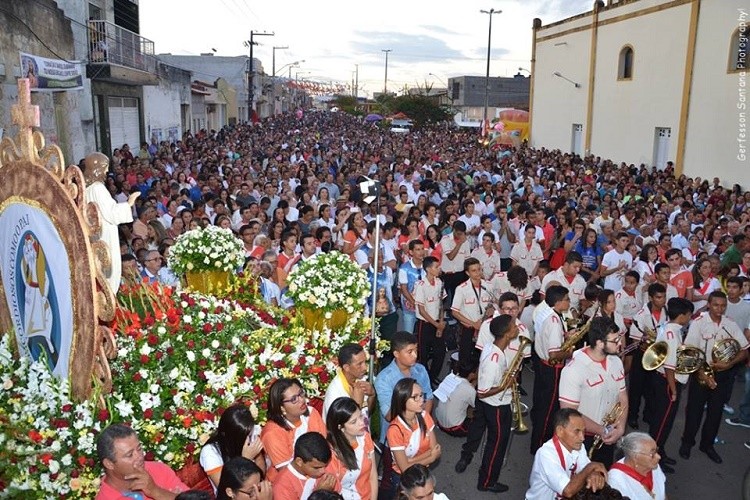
{"x": 250, "y": 493}
{"x": 417, "y": 397}
{"x": 295, "y": 399}
{"x": 650, "y": 454}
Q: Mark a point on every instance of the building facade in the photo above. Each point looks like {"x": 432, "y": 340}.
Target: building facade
{"x": 646, "y": 81}
{"x": 466, "y": 95}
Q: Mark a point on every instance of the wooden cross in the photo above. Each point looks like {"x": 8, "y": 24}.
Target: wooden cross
{"x": 24, "y": 114}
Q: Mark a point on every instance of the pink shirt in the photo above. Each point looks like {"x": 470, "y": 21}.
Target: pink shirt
{"x": 163, "y": 477}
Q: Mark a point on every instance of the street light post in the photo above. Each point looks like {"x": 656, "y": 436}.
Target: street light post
{"x": 490, "y": 13}
{"x": 448, "y": 92}
{"x": 273, "y": 73}
{"x": 385, "y": 86}
{"x": 273, "y": 59}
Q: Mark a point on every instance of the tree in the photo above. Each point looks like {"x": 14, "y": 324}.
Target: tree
{"x": 421, "y": 109}
{"x": 348, "y": 104}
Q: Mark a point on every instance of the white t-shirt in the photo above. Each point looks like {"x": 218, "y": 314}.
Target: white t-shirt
{"x": 610, "y": 261}
{"x": 452, "y": 412}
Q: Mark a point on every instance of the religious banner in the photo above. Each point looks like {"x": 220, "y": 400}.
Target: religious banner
{"x": 54, "y": 298}
{"x": 50, "y": 74}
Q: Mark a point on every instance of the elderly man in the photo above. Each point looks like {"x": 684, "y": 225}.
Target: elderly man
{"x": 154, "y": 272}
{"x": 127, "y": 474}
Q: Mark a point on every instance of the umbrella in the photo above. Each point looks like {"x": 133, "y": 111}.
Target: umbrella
{"x": 372, "y": 117}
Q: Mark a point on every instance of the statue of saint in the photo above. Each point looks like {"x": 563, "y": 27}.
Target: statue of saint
{"x": 111, "y": 213}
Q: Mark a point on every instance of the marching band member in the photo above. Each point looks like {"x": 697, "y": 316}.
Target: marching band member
{"x": 711, "y": 327}
{"x": 663, "y": 385}
{"x": 561, "y": 467}
{"x": 527, "y": 253}
{"x": 492, "y": 409}
{"x": 652, "y": 316}
{"x": 508, "y": 304}
{"x": 513, "y": 280}
{"x": 593, "y": 383}
{"x": 470, "y": 304}
{"x": 637, "y": 475}
{"x": 487, "y": 256}
{"x": 456, "y": 249}
{"x": 629, "y": 299}
{"x": 429, "y": 294}
{"x": 568, "y": 276}
{"x": 548, "y": 340}
{"x": 608, "y": 309}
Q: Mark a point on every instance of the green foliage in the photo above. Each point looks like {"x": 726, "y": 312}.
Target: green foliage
{"x": 420, "y": 109}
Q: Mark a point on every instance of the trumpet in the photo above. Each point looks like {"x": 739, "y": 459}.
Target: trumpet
{"x": 609, "y": 419}
{"x": 509, "y": 380}
{"x": 647, "y": 340}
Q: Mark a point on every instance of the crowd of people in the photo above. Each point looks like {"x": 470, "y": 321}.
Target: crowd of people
{"x": 574, "y": 266}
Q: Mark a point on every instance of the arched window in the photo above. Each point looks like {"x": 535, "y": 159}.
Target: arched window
{"x": 738, "y": 50}
{"x": 625, "y": 65}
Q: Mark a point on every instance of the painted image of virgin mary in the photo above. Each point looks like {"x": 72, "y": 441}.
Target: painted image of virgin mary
{"x": 38, "y": 314}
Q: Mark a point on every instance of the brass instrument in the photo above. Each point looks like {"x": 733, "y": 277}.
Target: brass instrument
{"x": 570, "y": 343}
{"x": 690, "y": 359}
{"x": 725, "y": 350}
{"x": 491, "y": 307}
{"x": 509, "y": 381}
{"x": 609, "y": 419}
{"x": 647, "y": 340}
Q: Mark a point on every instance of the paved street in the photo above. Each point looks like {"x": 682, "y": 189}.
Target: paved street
{"x": 696, "y": 478}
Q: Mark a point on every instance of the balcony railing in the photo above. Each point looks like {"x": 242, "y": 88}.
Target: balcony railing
{"x": 111, "y": 44}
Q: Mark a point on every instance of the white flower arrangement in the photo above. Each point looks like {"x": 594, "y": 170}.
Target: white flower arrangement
{"x": 329, "y": 281}
{"x": 209, "y": 249}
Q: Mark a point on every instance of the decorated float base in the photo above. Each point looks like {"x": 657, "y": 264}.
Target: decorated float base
{"x": 207, "y": 282}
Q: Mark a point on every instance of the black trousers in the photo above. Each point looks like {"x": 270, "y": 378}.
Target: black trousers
{"x": 636, "y": 384}
{"x": 660, "y": 409}
{"x": 431, "y": 348}
{"x": 497, "y": 421}
{"x": 545, "y": 402}
{"x": 700, "y": 396}
{"x": 605, "y": 454}
{"x": 386, "y": 329}
{"x": 468, "y": 355}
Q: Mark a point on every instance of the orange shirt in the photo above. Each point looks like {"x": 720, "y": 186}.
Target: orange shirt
{"x": 279, "y": 442}
{"x": 413, "y": 442}
{"x": 292, "y": 484}
{"x": 355, "y": 482}
{"x": 682, "y": 281}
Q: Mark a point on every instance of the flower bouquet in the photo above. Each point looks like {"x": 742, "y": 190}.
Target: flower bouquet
{"x": 327, "y": 289}
{"x": 206, "y": 257}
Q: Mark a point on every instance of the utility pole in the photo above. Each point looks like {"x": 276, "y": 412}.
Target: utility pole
{"x": 356, "y": 83}
{"x": 273, "y": 59}
{"x": 385, "y": 87}
{"x": 251, "y": 73}
{"x": 485, "y": 125}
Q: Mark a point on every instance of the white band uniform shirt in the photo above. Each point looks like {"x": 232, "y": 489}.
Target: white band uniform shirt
{"x": 485, "y": 337}
{"x": 550, "y": 337}
{"x": 470, "y": 301}
{"x": 628, "y": 305}
{"x": 490, "y": 262}
{"x": 645, "y": 320}
{"x": 576, "y": 286}
{"x": 448, "y": 243}
{"x": 430, "y": 296}
{"x": 592, "y": 386}
{"x": 553, "y": 468}
{"x": 704, "y": 333}
{"x": 492, "y": 366}
{"x": 526, "y": 256}
{"x": 672, "y": 335}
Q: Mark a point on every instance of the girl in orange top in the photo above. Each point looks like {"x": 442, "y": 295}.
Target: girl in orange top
{"x": 289, "y": 417}
{"x": 411, "y": 436}
{"x": 356, "y": 236}
{"x": 353, "y": 450}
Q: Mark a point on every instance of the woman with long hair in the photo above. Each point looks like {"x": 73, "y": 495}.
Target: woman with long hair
{"x": 592, "y": 255}
{"x": 418, "y": 483}
{"x": 608, "y": 309}
{"x": 353, "y": 450}
{"x": 243, "y": 479}
{"x": 236, "y": 436}
{"x": 155, "y": 234}
{"x": 704, "y": 282}
{"x": 690, "y": 253}
{"x": 356, "y": 234}
{"x": 646, "y": 264}
{"x": 289, "y": 417}
{"x": 411, "y": 436}
{"x": 432, "y": 239}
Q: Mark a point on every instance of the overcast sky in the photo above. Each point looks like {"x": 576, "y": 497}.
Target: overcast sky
{"x": 447, "y": 38}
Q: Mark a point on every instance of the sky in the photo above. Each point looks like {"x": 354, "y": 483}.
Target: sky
{"x": 445, "y": 37}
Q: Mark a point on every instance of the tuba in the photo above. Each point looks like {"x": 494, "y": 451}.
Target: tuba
{"x": 509, "y": 377}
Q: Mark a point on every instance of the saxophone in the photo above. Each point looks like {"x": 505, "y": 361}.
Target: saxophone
{"x": 609, "y": 419}
{"x": 570, "y": 343}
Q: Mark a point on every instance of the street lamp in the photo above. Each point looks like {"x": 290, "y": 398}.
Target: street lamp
{"x": 295, "y": 63}
{"x": 524, "y": 69}
{"x": 385, "y": 87}
{"x": 448, "y": 92}
{"x": 559, "y": 75}
{"x": 485, "y": 124}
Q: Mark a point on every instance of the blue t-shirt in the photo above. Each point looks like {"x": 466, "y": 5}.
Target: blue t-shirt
{"x": 590, "y": 255}
{"x": 387, "y": 380}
